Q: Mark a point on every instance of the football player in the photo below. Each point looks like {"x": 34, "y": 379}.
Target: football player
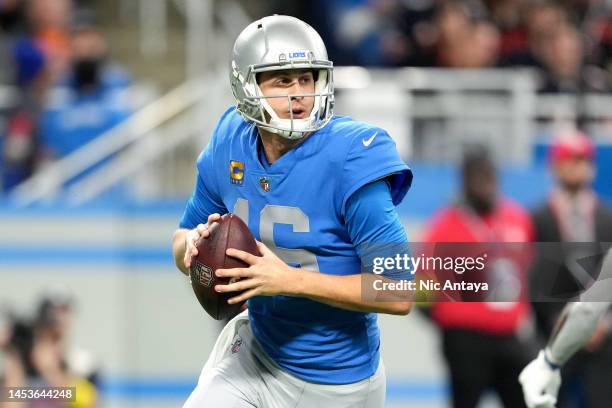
{"x": 541, "y": 378}
{"x": 315, "y": 189}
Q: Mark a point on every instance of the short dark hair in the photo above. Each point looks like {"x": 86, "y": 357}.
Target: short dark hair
{"x": 476, "y": 158}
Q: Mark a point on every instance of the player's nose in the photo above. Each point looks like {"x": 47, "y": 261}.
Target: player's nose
{"x": 297, "y": 90}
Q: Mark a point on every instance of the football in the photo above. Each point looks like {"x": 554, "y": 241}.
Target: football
{"x": 229, "y": 232}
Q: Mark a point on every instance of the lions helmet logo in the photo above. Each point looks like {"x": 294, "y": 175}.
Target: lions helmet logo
{"x": 297, "y": 54}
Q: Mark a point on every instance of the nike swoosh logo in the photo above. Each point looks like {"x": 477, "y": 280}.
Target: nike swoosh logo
{"x": 367, "y": 142}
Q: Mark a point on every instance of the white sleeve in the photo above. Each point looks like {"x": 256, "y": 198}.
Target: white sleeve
{"x": 579, "y": 320}
{"x": 574, "y": 328}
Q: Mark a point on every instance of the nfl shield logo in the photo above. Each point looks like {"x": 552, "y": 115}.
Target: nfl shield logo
{"x": 202, "y": 273}
{"x": 264, "y": 183}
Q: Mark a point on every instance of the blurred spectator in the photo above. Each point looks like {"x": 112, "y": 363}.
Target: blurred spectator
{"x": 11, "y": 16}
{"x": 36, "y": 354}
{"x": 39, "y": 54}
{"x": 5, "y": 338}
{"x": 563, "y": 58}
{"x": 16, "y": 348}
{"x": 383, "y": 32}
{"x": 48, "y": 24}
{"x": 19, "y": 138}
{"x": 542, "y": 21}
{"x": 485, "y": 345}
{"x": 465, "y": 42}
{"x": 508, "y": 17}
{"x": 5, "y": 331}
{"x": 11, "y": 23}
{"x": 453, "y": 25}
{"x": 56, "y": 312}
{"x": 599, "y": 28}
{"x": 89, "y": 99}
{"x": 538, "y": 22}
{"x": 573, "y": 213}
{"x": 365, "y": 28}
{"x": 485, "y": 40}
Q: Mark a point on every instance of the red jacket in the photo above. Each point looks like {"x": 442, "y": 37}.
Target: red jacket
{"x": 507, "y": 223}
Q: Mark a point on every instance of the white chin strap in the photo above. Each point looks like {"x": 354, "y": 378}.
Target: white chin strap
{"x": 288, "y": 134}
{"x": 289, "y": 128}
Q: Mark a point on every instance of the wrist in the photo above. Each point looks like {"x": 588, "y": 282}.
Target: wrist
{"x": 298, "y": 282}
{"x": 553, "y": 365}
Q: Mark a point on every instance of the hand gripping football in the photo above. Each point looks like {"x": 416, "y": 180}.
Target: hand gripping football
{"x": 229, "y": 232}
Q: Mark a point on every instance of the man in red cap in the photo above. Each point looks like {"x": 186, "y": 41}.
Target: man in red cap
{"x": 572, "y": 214}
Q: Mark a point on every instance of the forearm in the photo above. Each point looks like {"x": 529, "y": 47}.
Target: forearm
{"x": 178, "y": 249}
{"x": 344, "y": 292}
{"x": 574, "y": 328}
{"x": 579, "y": 320}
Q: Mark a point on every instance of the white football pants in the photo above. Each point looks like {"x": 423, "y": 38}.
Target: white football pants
{"x": 239, "y": 374}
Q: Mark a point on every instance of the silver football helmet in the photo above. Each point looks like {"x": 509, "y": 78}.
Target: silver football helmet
{"x": 278, "y": 43}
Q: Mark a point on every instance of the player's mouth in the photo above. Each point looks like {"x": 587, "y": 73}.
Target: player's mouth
{"x": 298, "y": 113}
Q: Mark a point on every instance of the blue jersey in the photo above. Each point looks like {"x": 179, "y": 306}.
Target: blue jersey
{"x": 297, "y": 207}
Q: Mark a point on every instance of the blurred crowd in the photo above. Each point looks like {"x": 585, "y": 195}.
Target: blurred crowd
{"x": 35, "y": 351}
{"x": 68, "y": 91}
{"x": 569, "y": 41}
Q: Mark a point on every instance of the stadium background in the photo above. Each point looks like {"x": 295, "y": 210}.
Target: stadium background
{"x": 98, "y": 220}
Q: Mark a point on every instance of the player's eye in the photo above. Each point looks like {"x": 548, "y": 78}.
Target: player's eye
{"x": 306, "y": 79}
{"x": 284, "y": 80}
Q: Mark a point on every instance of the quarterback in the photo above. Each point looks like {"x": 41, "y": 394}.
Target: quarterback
{"x": 315, "y": 189}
